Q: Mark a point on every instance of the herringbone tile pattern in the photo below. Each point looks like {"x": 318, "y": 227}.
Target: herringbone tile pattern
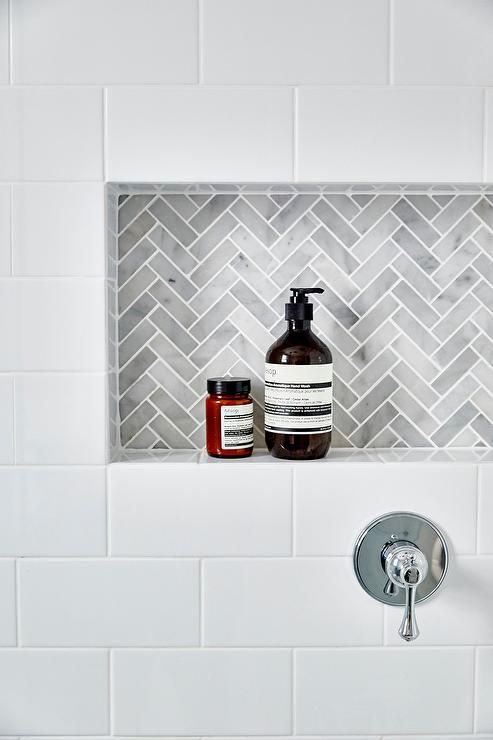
{"x": 407, "y": 308}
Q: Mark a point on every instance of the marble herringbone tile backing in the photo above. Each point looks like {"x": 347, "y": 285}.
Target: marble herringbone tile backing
{"x": 204, "y": 271}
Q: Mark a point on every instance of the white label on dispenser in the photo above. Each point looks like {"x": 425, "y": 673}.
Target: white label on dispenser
{"x": 237, "y": 426}
{"x": 298, "y": 398}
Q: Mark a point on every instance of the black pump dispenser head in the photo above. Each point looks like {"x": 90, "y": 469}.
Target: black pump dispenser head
{"x": 298, "y": 308}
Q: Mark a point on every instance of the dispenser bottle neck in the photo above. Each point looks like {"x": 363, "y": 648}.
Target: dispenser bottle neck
{"x": 297, "y": 325}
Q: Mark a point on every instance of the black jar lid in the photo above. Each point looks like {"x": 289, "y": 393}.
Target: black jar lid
{"x": 228, "y": 386}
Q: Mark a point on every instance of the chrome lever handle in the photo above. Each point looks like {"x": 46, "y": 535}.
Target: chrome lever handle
{"x": 409, "y": 627}
{"x": 406, "y": 567}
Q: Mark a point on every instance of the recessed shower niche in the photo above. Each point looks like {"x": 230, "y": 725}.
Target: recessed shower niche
{"x": 198, "y": 275}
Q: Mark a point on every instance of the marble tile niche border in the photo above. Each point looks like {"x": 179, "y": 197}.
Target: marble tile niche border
{"x": 197, "y": 278}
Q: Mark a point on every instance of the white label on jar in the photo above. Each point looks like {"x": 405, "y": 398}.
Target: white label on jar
{"x": 237, "y": 426}
{"x": 298, "y": 398}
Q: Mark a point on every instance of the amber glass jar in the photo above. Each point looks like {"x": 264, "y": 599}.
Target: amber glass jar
{"x": 229, "y": 417}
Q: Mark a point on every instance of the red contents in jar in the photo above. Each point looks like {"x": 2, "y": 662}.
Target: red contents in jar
{"x": 229, "y": 417}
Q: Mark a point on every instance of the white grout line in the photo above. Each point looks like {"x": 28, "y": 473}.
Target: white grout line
{"x": 391, "y": 49}
{"x": 17, "y": 605}
{"x": 105, "y": 134}
{"x": 11, "y": 216}
{"x": 485, "y": 135}
{"x": 295, "y": 133}
{"x": 200, "y": 43}
{"x": 111, "y": 720}
{"x": 293, "y": 691}
{"x": 10, "y": 42}
{"x": 14, "y": 422}
{"x": 201, "y": 603}
{"x": 475, "y": 691}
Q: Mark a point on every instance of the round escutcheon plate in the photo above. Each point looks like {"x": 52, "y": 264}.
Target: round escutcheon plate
{"x": 391, "y": 528}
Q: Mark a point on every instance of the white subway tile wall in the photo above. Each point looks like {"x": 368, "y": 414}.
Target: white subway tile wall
{"x": 52, "y": 511}
{"x": 390, "y": 134}
{"x": 60, "y": 419}
{"x": 200, "y": 132}
{"x": 193, "y": 599}
{"x": 58, "y": 229}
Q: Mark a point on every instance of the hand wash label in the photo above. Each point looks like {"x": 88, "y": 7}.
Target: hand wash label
{"x": 298, "y": 398}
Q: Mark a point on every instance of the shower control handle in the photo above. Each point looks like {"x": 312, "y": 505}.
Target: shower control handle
{"x": 406, "y": 567}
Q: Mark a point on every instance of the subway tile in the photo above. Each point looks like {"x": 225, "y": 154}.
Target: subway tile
{"x": 4, "y": 42}
{"x": 198, "y": 133}
{"x": 207, "y": 692}
{"x": 485, "y": 514}
{"x": 6, "y": 419}
{"x": 154, "y": 41}
{"x": 58, "y": 692}
{"x": 331, "y": 510}
{"x": 287, "y": 602}
{"x": 208, "y": 511}
{"x": 8, "y": 632}
{"x": 484, "y": 681}
{"x": 108, "y": 603}
{"x": 52, "y": 511}
{"x": 51, "y": 133}
{"x": 58, "y": 229}
{"x": 459, "y": 613}
{"x": 187, "y": 511}
{"x": 357, "y": 691}
{"x": 454, "y": 42}
{"x": 409, "y": 134}
{"x": 59, "y": 324}
{"x": 5, "y": 247}
{"x": 60, "y": 419}
{"x": 295, "y": 43}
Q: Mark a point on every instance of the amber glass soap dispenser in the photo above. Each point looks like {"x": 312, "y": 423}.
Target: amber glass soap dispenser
{"x": 298, "y": 386}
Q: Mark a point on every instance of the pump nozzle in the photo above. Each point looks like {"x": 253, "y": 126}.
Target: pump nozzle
{"x": 299, "y": 294}
{"x": 298, "y": 308}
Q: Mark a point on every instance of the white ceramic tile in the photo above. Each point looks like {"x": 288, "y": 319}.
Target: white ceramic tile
{"x": 332, "y": 509}
{"x": 130, "y": 41}
{"x": 52, "y": 511}
{"x": 47, "y": 691}
{"x": 459, "y": 613}
{"x": 484, "y": 681}
{"x": 6, "y": 419}
{"x": 51, "y": 133}
{"x": 5, "y": 249}
{"x": 287, "y": 602}
{"x": 8, "y": 631}
{"x": 454, "y": 46}
{"x": 57, "y": 325}
{"x": 389, "y": 134}
{"x": 4, "y": 42}
{"x": 199, "y": 510}
{"x": 202, "y": 692}
{"x": 58, "y": 229}
{"x": 60, "y": 419}
{"x": 485, "y": 513}
{"x": 390, "y": 690}
{"x": 98, "y": 604}
{"x": 288, "y": 42}
{"x": 199, "y": 133}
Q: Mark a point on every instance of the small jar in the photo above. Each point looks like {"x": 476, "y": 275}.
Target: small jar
{"x": 229, "y": 417}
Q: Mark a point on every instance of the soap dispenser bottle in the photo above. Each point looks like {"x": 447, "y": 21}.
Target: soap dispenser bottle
{"x": 298, "y": 386}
